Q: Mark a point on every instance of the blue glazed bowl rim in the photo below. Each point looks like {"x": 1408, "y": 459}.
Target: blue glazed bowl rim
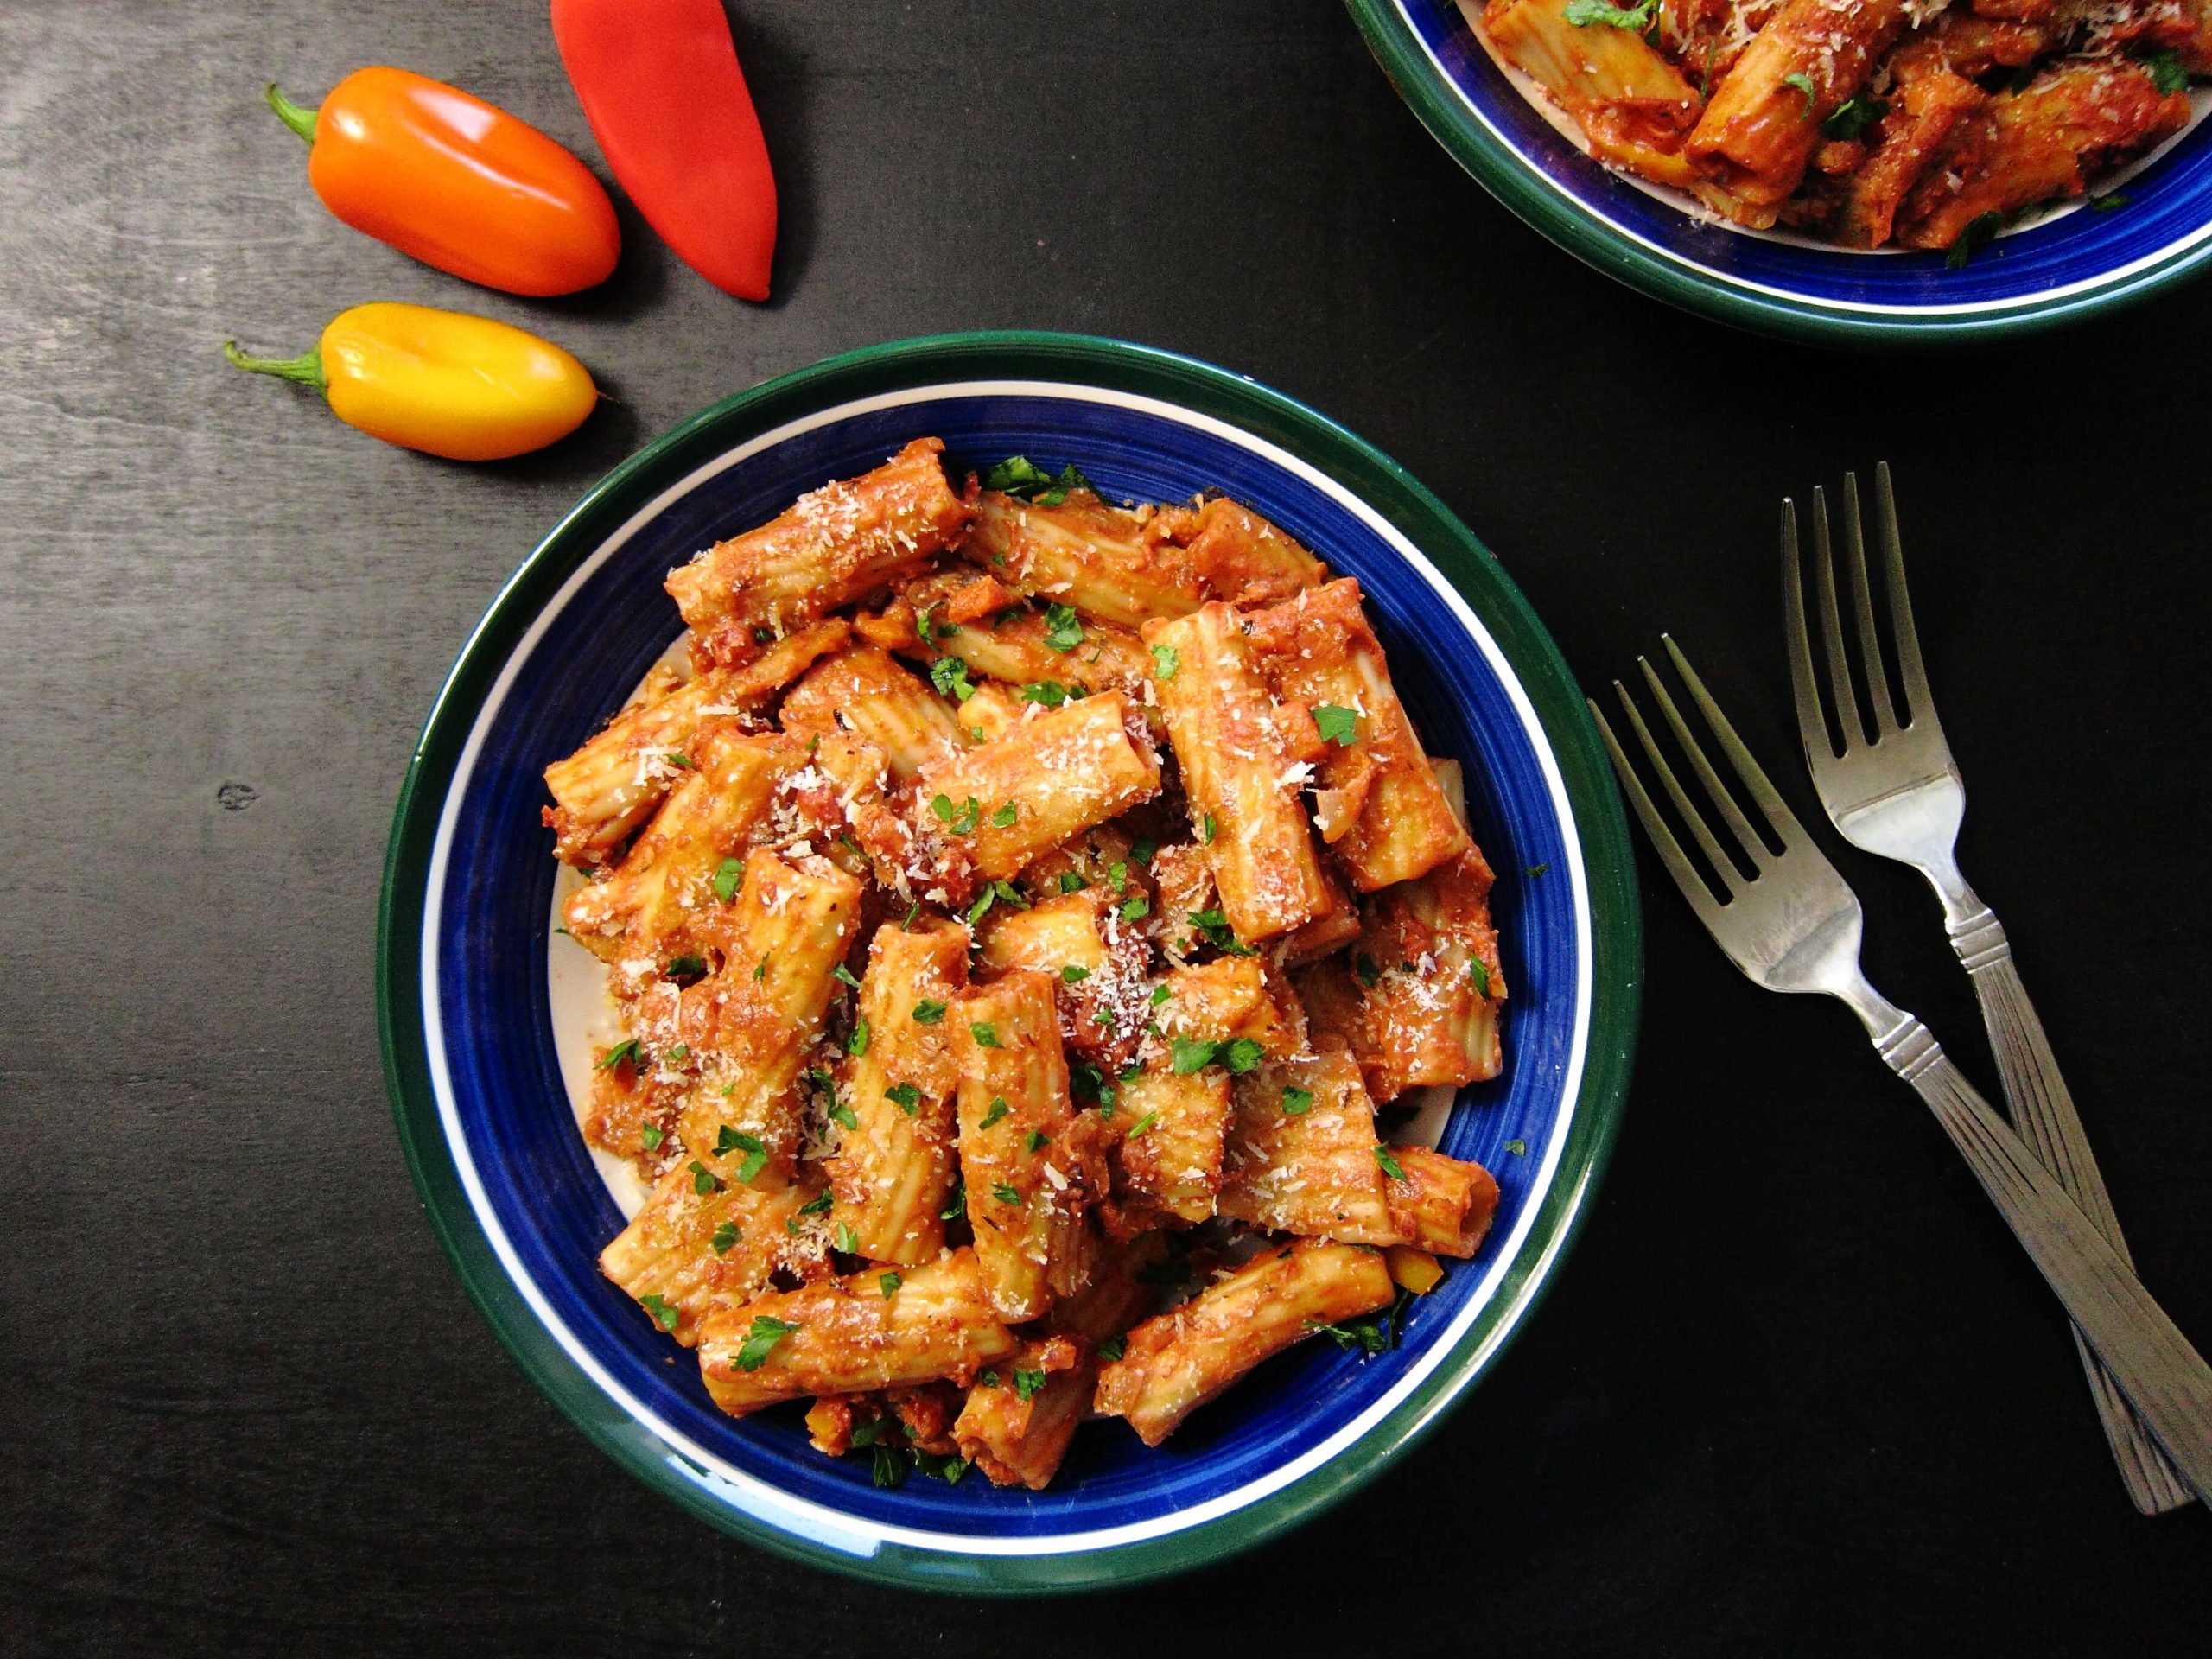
{"x": 1597, "y": 835}
{"x": 1459, "y": 120}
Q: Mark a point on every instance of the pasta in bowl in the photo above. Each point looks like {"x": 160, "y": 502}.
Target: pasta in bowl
{"x": 871, "y": 1272}
{"x": 1903, "y": 171}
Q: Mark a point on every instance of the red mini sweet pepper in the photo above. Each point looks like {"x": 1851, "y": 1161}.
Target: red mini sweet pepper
{"x": 659, "y": 82}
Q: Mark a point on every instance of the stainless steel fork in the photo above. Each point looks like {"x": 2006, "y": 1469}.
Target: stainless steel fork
{"x": 1895, "y": 792}
{"x": 1792, "y": 924}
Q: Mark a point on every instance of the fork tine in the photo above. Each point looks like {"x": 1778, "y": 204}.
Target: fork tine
{"x": 1755, "y": 781}
{"x": 1812, "y": 726}
{"x": 1754, "y": 849}
{"x": 1847, "y": 723}
{"x": 1670, "y": 850}
{"x": 1723, "y": 867}
{"x": 1911, "y": 674}
{"x": 1870, "y": 643}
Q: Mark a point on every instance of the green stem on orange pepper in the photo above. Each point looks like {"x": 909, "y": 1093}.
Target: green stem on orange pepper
{"x": 306, "y": 369}
{"x": 299, "y": 120}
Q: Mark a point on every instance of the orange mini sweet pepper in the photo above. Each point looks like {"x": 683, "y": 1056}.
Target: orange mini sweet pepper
{"x": 457, "y": 183}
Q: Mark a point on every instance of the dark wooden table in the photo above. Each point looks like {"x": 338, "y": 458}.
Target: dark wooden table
{"x": 1797, "y": 1392}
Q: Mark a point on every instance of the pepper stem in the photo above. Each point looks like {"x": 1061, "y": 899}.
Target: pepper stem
{"x": 299, "y": 120}
{"x": 305, "y": 369}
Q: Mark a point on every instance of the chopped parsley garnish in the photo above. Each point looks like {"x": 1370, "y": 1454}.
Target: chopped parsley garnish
{"x": 2106, "y": 202}
{"x": 1143, "y": 850}
{"x": 728, "y": 1141}
{"x": 818, "y": 1205}
{"x": 1980, "y": 231}
{"x": 956, "y": 1204}
{"x": 1360, "y": 1337}
{"x": 1142, "y": 1124}
{"x": 650, "y": 1135}
{"x": 1117, "y": 872}
{"x": 949, "y": 676}
{"x": 1803, "y": 83}
{"x": 622, "y": 1052}
{"x": 912, "y": 911}
{"x": 997, "y": 1109}
{"x": 1136, "y": 909}
{"x": 1005, "y": 1194}
{"x": 681, "y": 761}
{"x": 726, "y": 1236}
{"x": 1063, "y": 628}
{"x": 1391, "y": 1167}
{"x": 1004, "y": 817}
{"x": 1113, "y": 1347}
{"x": 890, "y": 1282}
{"x": 2167, "y": 74}
{"x": 842, "y": 1115}
{"x": 686, "y": 967}
{"x": 1364, "y": 965}
{"x": 1852, "y": 117}
{"x": 704, "y": 1180}
{"x": 856, "y": 1044}
{"x": 1214, "y": 927}
{"x": 729, "y": 876}
{"x": 985, "y": 1034}
{"x": 1051, "y": 693}
{"x": 1072, "y": 882}
{"x": 1161, "y": 993}
{"x": 1296, "y": 1102}
{"x": 940, "y": 1465}
{"x": 925, "y": 630}
{"x": 1205, "y": 829}
{"x": 1027, "y": 1383}
{"x": 847, "y": 1240}
{"x": 929, "y": 1011}
{"x": 1019, "y": 476}
{"x": 961, "y": 820}
{"x": 760, "y": 968}
{"x": 906, "y": 1096}
{"x": 1036, "y": 1140}
{"x": 1070, "y": 479}
{"x": 1190, "y": 1054}
{"x": 760, "y": 1341}
{"x": 1517, "y": 1147}
{"x": 1336, "y": 726}
{"x": 986, "y": 1379}
{"x": 657, "y": 1305}
{"x": 1478, "y": 971}
{"x": 1165, "y": 659}
{"x": 890, "y": 1468}
{"x": 1074, "y": 973}
{"x": 844, "y": 975}
{"x": 1636, "y": 19}
{"x": 1242, "y": 1055}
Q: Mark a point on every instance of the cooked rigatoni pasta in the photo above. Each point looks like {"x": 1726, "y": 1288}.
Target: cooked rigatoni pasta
{"x": 893, "y": 1161}
{"x": 1864, "y": 122}
{"x": 1243, "y": 759}
{"x": 977, "y": 900}
{"x": 1176, "y": 1362}
{"x": 831, "y": 547}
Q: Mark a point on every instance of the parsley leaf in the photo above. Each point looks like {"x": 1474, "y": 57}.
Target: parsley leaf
{"x": 1113, "y": 1347}
{"x": 1004, "y": 817}
{"x": 1142, "y": 1124}
{"x": 1074, "y": 973}
{"x": 1005, "y": 1194}
{"x": 1364, "y": 966}
{"x": 1338, "y": 725}
{"x": 847, "y": 1240}
{"x": 728, "y": 1141}
{"x": 985, "y": 1034}
{"x": 1051, "y": 693}
{"x": 906, "y": 1096}
{"x": 844, "y": 975}
{"x": 856, "y": 1044}
{"x": 1205, "y": 829}
{"x": 945, "y": 1466}
{"x": 652, "y": 1136}
{"x": 1852, "y": 117}
{"x": 2108, "y": 202}
{"x": 890, "y": 1467}
{"x": 628, "y": 1050}
{"x": 890, "y": 1282}
{"x": 1217, "y": 932}
{"x": 818, "y": 1205}
{"x": 1190, "y": 1054}
{"x": 1636, "y": 19}
{"x": 2167, "y": 74}
{"x": 1072, "y": 882}
{"x": 1517, "y": 1147}
{"x": 1803, "y": 83}
{"x": 1027, "y": 1383}
{"x": 1017, "y": 476}
{"x": 961, "y": 820}
{"x": 949, "y": 676}
{"x": 760, "y": 1341}
{"x": 956, "y": 1204}
{"x": 1136, "y": 909}
{"x": 929, "y": 1011}
{"x": 726, "y": 1236}
{"x": 729, "y": 876}
{"x": 1165, "y": 659}
{"x": 843, "y": 1115}
{"x": 1036, "y": 1140}
{"x": 1063, "y": 628}
{"x": 1981, "y": 230}
{"x": 1479, "y": 972}
{"x": 1361, "y": 1336}
{"x": 997, "y": 1109}
{"x": 1391, "y": 1167}
{"x": 704, "y": 1180}
{"x": 686, "y": 967}
{"x": 664, "y": 1315}
{"x": 1296, "y": 1102}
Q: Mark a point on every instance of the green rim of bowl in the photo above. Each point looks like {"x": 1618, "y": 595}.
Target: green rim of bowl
{"x": 1616, "y": 928}
{"x": 1499, "y": 170}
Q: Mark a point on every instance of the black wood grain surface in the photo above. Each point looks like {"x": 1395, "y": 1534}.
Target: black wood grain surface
{"x": 1797, "y": 1392}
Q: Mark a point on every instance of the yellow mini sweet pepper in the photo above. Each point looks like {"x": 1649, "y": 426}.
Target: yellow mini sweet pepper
{"x": 466, "y": 388}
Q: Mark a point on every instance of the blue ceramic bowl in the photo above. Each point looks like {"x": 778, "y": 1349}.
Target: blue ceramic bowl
{"x": 476, "y": 1083}
{"x": 2070, "y": 264}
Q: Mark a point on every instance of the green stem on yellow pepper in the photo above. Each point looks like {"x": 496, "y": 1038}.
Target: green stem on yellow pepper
{"x": 306, "y": 369}
{"x": 299, "y": 120}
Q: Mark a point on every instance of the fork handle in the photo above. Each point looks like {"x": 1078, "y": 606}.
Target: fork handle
{"x": 2042, "y": 1111}
{"x": 2148, "y": 1359}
